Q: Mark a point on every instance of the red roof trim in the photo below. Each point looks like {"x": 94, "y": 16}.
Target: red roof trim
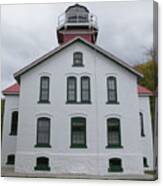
{"x": 12, "y": 90}
{"x": 15, "y": 88}
{"x": 144, "y": 91}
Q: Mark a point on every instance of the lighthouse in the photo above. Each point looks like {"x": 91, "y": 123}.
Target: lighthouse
{"x": 77, "y": 21}
{"x": 69, "y": 114}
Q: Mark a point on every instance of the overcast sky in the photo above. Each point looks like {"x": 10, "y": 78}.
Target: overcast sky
{"x": 29, "y": 31}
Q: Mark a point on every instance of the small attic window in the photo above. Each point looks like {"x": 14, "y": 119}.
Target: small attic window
{"x": 78, "y": 59}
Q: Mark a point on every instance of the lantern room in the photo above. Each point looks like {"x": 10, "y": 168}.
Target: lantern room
{"x": 77, "y": 21}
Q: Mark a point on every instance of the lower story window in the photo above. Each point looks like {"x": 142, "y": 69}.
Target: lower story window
{"x": 145, "y": 162}
{"x": 115, "y": 165}
{"x": 43, "y": 132}
{"x": 42, "y": 163}
{"x": 11, "y": 159}
{"x": 113, "y": 132}
{"x": 78, "y": 132}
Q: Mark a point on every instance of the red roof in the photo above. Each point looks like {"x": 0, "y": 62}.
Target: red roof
{"x": 15, "y": 88}
{"x": 144, "y": 90}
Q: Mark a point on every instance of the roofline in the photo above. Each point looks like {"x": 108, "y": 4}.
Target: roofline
{"x": 10, "y": 93}
{"x": 17, "y": 93}
{"x": 58, "y": 49}
{"x": 114, "y": 58}
{"x": 145, "y": 94}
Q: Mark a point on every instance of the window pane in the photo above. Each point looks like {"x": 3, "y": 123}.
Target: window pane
{"x": 44, "y": 90}
{"x": 115, "y": 165}
{"x": 111, "y": 84}
{"x": 14, "y": 122}
{"x": 112, "y": 89}
{"x": 71, "y": 84}
{"x": 113, "y": 132}
{"x": 78, "y": 131}
{"x": 85, "y": 89}
{"x": 45, "y": 82}
{"x": 112, "y": 95}
{"x": 42, "y": 164}
{"x": 78, "y": 58}
{"x": 142, "y": 124}
{"x": 71, "y": 89}
{"x": 42, "y": 161}
{"x": 44, "y": 95}
{"x": 71, "y": 95}
{"x": 85, "y": 96}
{"x": 43, "y": 131}
{"x": 85, "y": 83}
{"x": 11, "y": 159}
{"x": 113, "y": 137}
{"x": 78, "y": 137}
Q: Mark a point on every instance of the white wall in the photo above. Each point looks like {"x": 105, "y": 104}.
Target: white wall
{"x": 147, "y": 140}
{"x": 93, "y": 159}
{"x": 8, "y": 141}
{"x": 155, "y": 135}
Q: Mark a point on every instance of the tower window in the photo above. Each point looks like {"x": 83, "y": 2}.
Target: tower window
{"x": 78, "y": 59}
{"x": 115, "y": 165}
{"x": 14, "y": 123}
{"x": 145, "y": 162}
{"x": 78, "y": 132}
{"x": 11, "y": 159}
{"x": 113, "y": 132}
{"x": 42, "y": 163}
{"x": 44, "y": 89}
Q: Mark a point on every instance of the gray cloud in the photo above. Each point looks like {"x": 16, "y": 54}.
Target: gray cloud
{"x": 29, "y": 31}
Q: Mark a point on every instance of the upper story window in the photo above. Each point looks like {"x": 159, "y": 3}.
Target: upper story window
{"x": 78, "y": 59}
{"x": 78, "y": 132}
{"x": 42, "y": 163}
{"x": 14, "y": 123}
{"x": 71, "y": 89}
{"x": 43, "y": 132}
{"x": 85, "y": 89}
{"x": 113, "y": 133}
{"x": 142, "y": 124}
{"x": 44, "y": 89}
{"x": 112, "y": 89}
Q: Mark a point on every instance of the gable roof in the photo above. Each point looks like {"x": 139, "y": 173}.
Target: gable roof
{"x": 60, "y": 48}
{"x": 15, "y": 89}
